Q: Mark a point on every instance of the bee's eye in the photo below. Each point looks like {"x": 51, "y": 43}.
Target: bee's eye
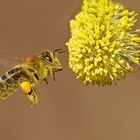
{"x": 48, "y": 58}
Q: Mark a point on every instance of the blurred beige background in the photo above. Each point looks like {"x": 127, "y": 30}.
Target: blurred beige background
{"x": 68, "y": 110}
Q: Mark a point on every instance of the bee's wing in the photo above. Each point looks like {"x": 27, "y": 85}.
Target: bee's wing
{"x": 8, "y": 60}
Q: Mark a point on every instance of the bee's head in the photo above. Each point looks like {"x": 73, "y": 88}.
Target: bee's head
{"x": 51, "y": 60}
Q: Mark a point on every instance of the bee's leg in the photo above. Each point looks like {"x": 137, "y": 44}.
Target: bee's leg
{"x": 53, "y": 75}
{"x": 33, "y": 97}
{"x": 29, "y": 91}
{"x": 46, "y": 81}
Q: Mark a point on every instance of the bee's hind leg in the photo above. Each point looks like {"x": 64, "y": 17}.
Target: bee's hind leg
{"x": 30, "y": 92}
{"x": 33, "y": 97}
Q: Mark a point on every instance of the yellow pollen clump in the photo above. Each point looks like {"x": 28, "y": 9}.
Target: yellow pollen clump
{"x": 103, "y": 46}
{"x": 26, "y": 87}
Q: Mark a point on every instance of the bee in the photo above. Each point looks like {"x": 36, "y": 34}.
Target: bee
{"x": 30, "y": 72}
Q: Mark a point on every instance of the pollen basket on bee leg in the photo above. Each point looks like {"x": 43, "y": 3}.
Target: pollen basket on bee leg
{"x": 26, "y": 87}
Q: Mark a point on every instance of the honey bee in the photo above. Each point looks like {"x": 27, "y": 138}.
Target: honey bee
{"x": 32, "y": 71}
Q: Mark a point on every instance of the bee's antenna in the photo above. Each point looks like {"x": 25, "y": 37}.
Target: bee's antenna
{"x": 62, "y": 51}
{"x": 58, "y": 51}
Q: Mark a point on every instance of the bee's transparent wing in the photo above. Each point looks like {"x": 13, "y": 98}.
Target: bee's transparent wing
{"x": 8, "y": 60}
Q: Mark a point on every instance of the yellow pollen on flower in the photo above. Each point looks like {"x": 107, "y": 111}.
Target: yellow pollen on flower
{"x": 103, "y": 45}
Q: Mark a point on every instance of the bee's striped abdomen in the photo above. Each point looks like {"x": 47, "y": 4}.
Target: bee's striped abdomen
{"x": 9, "y": 82}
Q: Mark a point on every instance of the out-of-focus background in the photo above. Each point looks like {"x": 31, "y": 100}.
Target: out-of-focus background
{"x": 68, "y": 110}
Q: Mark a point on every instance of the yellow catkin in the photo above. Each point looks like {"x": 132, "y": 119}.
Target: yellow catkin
{"x": 103, "y": 46}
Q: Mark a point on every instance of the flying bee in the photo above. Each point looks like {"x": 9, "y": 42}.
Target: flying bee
{"x": 32, "y": 71}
